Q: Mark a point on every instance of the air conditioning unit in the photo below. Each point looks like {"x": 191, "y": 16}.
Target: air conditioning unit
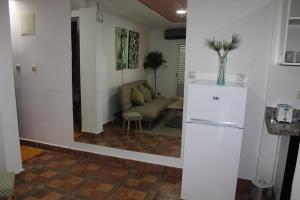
{"x": 175, "y": 33}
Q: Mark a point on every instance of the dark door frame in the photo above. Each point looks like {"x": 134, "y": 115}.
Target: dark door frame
{"x": 76, "y": 86}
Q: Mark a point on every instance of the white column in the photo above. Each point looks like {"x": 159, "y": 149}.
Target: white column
{"x": 9, "y": 139}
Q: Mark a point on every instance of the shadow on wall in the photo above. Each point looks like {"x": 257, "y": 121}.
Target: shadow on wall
{"x": 150, "y": 77}
{"x": 114, "y": 105}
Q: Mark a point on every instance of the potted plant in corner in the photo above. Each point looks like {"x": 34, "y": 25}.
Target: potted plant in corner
{"x": 154, "y": 60}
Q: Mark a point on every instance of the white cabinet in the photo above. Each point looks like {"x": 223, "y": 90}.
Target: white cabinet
{"x": 290, "y": 36}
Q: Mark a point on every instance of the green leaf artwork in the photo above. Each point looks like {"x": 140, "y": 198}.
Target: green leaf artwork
{"x": 121, "y": 48}
{"x": 133, "y": 48}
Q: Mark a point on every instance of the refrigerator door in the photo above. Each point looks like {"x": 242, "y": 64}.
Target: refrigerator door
{"x": 216, "y": 104}
{"x": 211, "y": 162}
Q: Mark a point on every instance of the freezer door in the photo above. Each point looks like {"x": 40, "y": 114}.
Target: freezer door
{"x": 217, "y": 104}
{"x": 210, "y": 162}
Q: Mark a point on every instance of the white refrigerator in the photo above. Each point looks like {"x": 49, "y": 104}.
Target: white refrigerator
{"x": 213, "y": 137}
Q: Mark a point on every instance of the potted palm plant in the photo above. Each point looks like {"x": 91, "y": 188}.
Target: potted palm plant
{"x": 223, "y": 48}
{"x": 154, "y": 60}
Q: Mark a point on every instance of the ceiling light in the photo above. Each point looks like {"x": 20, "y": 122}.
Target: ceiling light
{"x": 181, "y": 12}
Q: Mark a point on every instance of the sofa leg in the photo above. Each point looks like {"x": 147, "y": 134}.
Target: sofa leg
{"x": 128, "y": 129}
{"x": 141, "y": 129}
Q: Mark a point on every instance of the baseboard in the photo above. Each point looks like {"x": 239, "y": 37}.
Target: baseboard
{"x": 245, "y": 178}
{"x": 142, "y": 166}
{"x": 109, "y": 123}
{"x": 19, "y": 171}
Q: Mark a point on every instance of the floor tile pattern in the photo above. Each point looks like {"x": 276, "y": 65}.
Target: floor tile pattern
{"x": 58, "y": 176}
{"x": 55, "y": 176}
{"x": 113, "y": 136}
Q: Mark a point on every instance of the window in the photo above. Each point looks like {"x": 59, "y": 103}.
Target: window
{"x": 181, "y": 69}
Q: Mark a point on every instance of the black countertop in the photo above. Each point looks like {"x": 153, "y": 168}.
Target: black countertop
{"x": 281, "y": 128}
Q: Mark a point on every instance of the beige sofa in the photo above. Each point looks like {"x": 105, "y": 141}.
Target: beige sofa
{"x": 150, "y": 110}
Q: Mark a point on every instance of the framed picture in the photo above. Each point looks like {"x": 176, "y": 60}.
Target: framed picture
{"x": 133, "y": 50}
{"x": 121, "y": 48}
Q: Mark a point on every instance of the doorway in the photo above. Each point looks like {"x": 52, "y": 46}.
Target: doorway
{"x": 76, "y": 73}
{"x": 181, "y": 70}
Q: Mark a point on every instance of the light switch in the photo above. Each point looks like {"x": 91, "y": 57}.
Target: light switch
{"x": 34, "y": 68}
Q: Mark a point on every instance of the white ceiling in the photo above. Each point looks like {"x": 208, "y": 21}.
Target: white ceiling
{"x": 130, "y": 9}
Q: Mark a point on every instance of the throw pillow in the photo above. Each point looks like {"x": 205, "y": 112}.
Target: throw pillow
{"x": 137, "y": 97}
{"x": 151, "y": 90}
{"x": 146, "y": 93}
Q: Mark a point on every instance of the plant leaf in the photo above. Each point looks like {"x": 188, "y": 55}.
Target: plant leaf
{"x": 218, "y": 45}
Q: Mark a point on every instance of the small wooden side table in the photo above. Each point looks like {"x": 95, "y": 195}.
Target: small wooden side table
{"x": 177, "y": 108}
{"x": 132, "y": 117}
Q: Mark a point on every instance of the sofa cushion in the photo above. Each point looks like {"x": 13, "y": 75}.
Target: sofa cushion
{"x": 146, "y": 93}
{"x": 137, "y": 97}
{"x": 150, "y": 88}
{"x": 152, "y": 109}
{"x": 125, "y": 94}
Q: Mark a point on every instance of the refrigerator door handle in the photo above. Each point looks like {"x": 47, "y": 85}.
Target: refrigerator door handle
{"x": 214, "y": 123}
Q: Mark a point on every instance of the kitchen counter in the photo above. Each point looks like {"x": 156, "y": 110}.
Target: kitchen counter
{"x": 281, "y": 128}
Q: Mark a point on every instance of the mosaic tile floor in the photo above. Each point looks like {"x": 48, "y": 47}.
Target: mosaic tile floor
{"x": 57, "y": 176}
{"x": 54, "y": 176}
{"x": 113, "y": 137}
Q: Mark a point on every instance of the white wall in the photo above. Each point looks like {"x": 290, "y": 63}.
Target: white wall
{"x": 76, "y": 4}
{"x": 166, "y": 74}
{"x": 10, "y": 157}
{"x": 45, "y": 97}
{"x": 2, "y": 153}
{"x": 253, "y": 20}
